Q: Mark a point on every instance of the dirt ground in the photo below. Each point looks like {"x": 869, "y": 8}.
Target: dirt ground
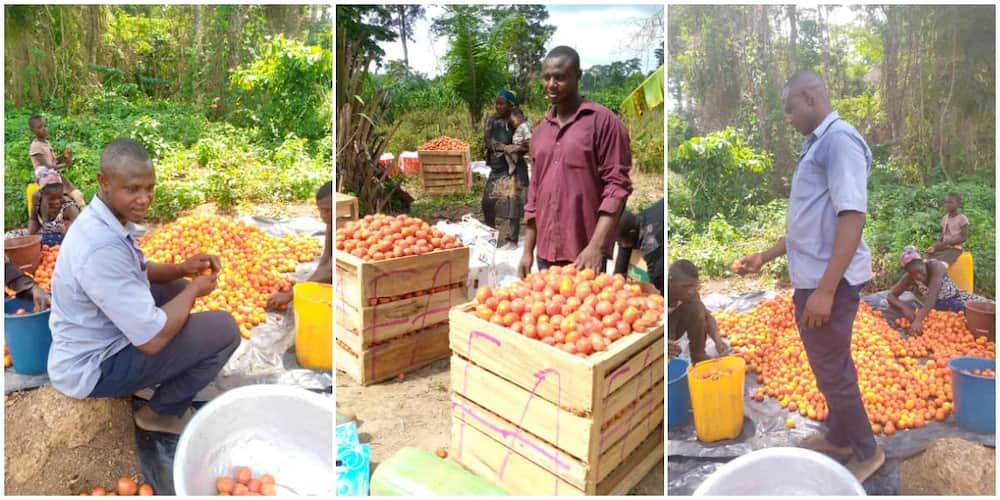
{"x": 39, "y": 424}
{"x": 415, "y": 412}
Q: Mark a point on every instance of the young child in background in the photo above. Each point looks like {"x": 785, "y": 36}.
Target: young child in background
{"x": 687, "y": 314}
{"x": 522, "y": 135}
{"x": 954, "y": 231}
{"x": 43, "y": 156}
{"x": 54, "y": 212}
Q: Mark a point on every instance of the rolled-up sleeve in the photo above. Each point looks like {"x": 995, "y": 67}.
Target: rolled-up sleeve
{"x": 122, "y": 296}
{"x": 614, "y": 155}
{"x": 847, "y": 162}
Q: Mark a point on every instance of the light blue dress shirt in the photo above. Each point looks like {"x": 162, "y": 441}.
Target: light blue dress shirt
{"x": 831, "y": 177}
{"x": 101, "y": 301}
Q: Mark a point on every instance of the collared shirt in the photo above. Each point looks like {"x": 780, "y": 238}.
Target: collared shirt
{"x": 101, "y": 300}
{"x": 579, "y": 170}
{"x": 831, "y": 177}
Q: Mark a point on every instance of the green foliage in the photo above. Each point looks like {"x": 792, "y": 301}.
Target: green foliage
{"x": 646, "y": 134}
{"x": 285, "y": 90}
{"x": 475, "y": 60}
{"x": 679, "y": 130}
{"x": 723, "y": 175}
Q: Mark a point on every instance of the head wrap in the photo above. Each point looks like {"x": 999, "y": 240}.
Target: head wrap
{"x": 45, "y": 176}
{"x": 910, "y": 254}
{"x": 506, "y": 94}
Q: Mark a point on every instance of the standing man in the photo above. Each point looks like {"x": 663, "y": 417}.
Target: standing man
{"x": 121, "y": 323}
{"x": 828, "y": 262}
{"x": 580, "y": 159}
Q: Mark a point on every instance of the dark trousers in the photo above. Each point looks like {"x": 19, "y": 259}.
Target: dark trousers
{"x": 829, "y": 352}
{"x": 185, "y": 366}
{"x": 689, "y": 317}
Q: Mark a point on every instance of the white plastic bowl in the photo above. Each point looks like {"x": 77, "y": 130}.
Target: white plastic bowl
{"x": 781, "y": 471}
{"x": 280, "y": 430}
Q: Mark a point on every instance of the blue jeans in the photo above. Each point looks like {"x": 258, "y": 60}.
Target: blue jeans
{"x": 829, "y": 350}
{"x": 185, "y": 366}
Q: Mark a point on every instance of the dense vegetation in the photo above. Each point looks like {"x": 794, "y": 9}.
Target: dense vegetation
{"x": 232, "y": 102}
{"x": 892, "y": 73}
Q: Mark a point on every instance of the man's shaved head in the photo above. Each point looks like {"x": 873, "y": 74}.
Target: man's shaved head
{"x": 127, "y": 180}
{"x": 122, "y": 153}
{"x": 806, "y": 101}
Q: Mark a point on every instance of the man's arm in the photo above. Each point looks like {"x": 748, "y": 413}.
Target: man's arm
{"x": 177, "y": 312}
{"x": 165, "y": 273}
{"x": 324, "y": 270}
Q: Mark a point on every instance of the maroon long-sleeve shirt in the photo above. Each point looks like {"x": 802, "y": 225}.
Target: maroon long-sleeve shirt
{"x": 578, "y": 171}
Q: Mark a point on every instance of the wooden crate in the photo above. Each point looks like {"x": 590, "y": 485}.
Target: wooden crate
{"x": 445, "y": 172}
{"x": 358, "y": 282}
{"x": 388, "y": 360}
{"x": 536, "y": 420}
{"x": 347, "y": 209}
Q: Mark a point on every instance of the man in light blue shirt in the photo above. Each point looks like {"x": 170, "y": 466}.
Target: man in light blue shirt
{"x": 828, "y": 262}
{"x": 121, "y": 323}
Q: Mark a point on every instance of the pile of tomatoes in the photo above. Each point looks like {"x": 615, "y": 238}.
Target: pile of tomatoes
{"x": 899, "y": 391}
{"x": 43, "y": 274}
{"x": 579, "y": 312}
{"x": 252, "y": 261}
{"x": 444, "y": 143}
{"x": 126, "y": 487}
{"x": 380, "y": 237}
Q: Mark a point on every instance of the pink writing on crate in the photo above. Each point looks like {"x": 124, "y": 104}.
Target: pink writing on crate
{"x": 540, "y": 377}
{"x": 625, "y": 424}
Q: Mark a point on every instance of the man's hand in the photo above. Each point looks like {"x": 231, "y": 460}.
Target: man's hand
{"x": 648, "y": 288}
{"x": 818, "y": 309}
{"x": 200, "y": 262}
{"x": 590, "y": 258}
{"x": 722, "y": 348}
{"x": 204, "y": 284}
{"x": 750, "y": 264}
{"x": 41, "y": 298}
{"x": 279, "y": 300}
{"x": 917, "y": 327}
{"x": 524, "y": 267}
{"x": 673, "y": 349}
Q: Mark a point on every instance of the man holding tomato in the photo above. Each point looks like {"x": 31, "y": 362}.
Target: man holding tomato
{"x": 828, "y": 262}
{"x": 121, "y": 323}
{"x": 580, "y": 159}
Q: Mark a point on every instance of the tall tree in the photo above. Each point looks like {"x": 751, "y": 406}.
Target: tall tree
{"x": 406, "y": 17}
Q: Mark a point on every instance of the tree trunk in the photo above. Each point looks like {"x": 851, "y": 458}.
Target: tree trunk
{"x": 760, "y": 67}
{"x": 401, "y": 9}
{"x": 890, "y": 73}
{"x": 943, "y": 136}
{"x": 793, "y": 49}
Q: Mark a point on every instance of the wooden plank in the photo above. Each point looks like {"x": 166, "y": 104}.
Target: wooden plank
{"x": 492, "y": 461}
{"x": 627, "y": 394}
{"x": 445, "y": 169}
{"x": 347, "y": 209}
{"x": 521, "y": 361}
{"x": 401, "y": 355}
{"x": 522, "y": 409}
{"x": 551, "y": 458}
{"x": 375, "y": 324}
{"x": 358, "y": 281}
{"x": 445, "y": 183}
{"x": 458, "y": 177}
{"x": 635, "y": 364}
{"x": 636, "y": 433}
{"x": 629, "y": 473}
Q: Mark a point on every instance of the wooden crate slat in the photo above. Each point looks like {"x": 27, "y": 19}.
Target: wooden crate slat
{"x": 445, "y": 169}
{"x": 642, "y": 460}
{"x": 638, "y": 433}
{"x": 519, "y": 406}
{"x": 445, "y": 183}
{"x": 372, "y": 324}
{"x": 468, "y": 413}
{"x": 358, "y": 281}
{"x": 635, "y": 388}
{"x": 486, "y": 457}
{"x": 347, "y": 209}
{"x": 624, "y": 373}
{"x": 398, "y": 356}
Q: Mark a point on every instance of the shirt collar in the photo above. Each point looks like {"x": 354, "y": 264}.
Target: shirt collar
{"x": 585, "y": 105}
{"x": 824, "y": 125}
{"x": 103, "y": 213}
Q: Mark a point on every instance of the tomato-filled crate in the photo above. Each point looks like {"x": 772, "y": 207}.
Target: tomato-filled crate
{"x": 537, "y": 420}
{"x": 446, "y": 172}
{"x": 392, "y": 315}
{"x": 347, "y": 209}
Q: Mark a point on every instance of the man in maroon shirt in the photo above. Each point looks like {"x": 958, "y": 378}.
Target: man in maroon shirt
{"x": 580, "y": 158}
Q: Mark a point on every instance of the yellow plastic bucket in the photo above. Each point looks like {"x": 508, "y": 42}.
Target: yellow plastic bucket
{"x": 31, "y": 192}
{"x": 717, "y": 397}
{"x": 961, "y": 272}
{"x": 313, "y": 304}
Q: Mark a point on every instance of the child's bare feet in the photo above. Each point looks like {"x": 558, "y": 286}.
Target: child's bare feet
{"x": 149, "y": 420}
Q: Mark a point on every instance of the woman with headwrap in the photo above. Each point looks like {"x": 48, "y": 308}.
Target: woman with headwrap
{"x": 506, "y": 190}
{"x": 936, "y": 289}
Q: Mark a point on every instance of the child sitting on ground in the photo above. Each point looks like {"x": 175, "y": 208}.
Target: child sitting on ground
{"x": 687, "y": 314}
{"x": 954, "y": 232}
{"x": 522, "y": 134}
{"x": 930, "y": 278}
{"x": 42, "y": 156}
{"x": 54, "y": 212}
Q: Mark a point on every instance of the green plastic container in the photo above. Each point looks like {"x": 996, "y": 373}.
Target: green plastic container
{"x": 420, "y": 473}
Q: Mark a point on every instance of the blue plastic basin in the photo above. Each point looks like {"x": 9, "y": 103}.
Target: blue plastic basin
{"x": 678, "y": 394}
{"x": 975, "y": 396}
{"x": 28, "y": 336}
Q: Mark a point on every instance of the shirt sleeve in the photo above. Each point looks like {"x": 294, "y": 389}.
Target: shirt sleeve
{"x": 120, "y": 295}
{"x": 614, "y": 156}
{"x": 847, "y": 173}
{"x": 962, "y": 221}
